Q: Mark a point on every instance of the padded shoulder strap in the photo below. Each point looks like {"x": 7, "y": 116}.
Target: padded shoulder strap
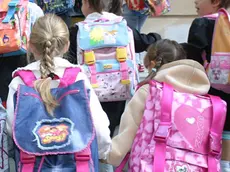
{"x": 27, "y": 77}
{"x": 69, "y": 76}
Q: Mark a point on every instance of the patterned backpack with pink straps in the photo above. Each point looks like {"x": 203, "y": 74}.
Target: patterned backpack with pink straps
{"x": 179, "y": 132}
{"x": 106, "y": 52}
{"x": 66, "y": 140}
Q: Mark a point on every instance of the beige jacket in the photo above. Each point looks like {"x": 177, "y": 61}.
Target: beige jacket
{"x": 184, "y": 75}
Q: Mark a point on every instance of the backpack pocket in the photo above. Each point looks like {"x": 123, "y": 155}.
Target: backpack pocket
{"x": 219, "y": 71}
{"x": 110, "y": 86}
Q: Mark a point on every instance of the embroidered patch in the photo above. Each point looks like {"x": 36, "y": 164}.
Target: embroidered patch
{"x": 53, "y": 134}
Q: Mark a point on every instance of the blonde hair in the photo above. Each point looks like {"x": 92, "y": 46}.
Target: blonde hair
{"x": 49, "y": 38}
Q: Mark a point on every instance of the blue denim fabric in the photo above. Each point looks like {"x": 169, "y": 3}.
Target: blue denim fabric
{"x": 73, "y": 114}
{"x": 135, "y": 20}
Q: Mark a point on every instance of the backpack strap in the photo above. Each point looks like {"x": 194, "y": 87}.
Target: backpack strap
{"x": 121, "y": 54}
{"x": 28, "y": 162}
{"x": 27, "y": 77}
{"x": 216, "y": 130}
{"x": 164, "y": 128}
{"x": 69, "y": 76}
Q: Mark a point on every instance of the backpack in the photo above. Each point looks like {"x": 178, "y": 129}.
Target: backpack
{"x": 154, "y": 7}
{"x": 106, "y": 53}
{"x": 4, "y": 165}
{"x": 15, "y": 27}
{"x": 218, "y": 70}
{"x": 63, "y": 142}
{"x": 179, "y": 132}
{"x": 56, "y": 6}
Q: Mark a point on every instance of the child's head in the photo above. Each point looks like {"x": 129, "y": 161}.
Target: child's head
{"x": 90, "y": 6}
{"x": 206, "y": 7}
{"x": 162, "y": 52}
{"x": 49, "y": 38}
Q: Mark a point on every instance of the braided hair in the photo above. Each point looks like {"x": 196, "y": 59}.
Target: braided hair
{"x": 162, "y": 52}
{"x": 49, "y": 38}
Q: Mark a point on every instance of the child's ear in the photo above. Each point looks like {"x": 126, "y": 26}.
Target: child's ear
{"x": 216, "y": 3}
{"x": 152, "y": 64}
{"x": 66, "y": 48}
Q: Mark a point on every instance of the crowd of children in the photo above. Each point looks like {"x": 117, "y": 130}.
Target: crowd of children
{"x": 58, "y": 120}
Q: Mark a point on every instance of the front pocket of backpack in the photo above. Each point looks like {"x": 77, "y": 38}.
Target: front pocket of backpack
{"x": 109, "y": 81}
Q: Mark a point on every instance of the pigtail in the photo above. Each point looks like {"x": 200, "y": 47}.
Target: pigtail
{"x": 43, "y": 85}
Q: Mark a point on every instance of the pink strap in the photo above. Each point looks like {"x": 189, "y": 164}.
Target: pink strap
{"x": 217, "y": 125}
{"x": 27, "y": 77}
{"x": 69, "y": 76}
{"x": 83, "y": 161}
{"x": 93, "y": 72}
{"x": 163, "y": 129}
{"x": 123, "y": 163}
{"x": 124, "y": 71}
{"x": 27, "y": 161}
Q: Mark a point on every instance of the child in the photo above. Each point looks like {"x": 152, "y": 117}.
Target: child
{"x": 163, "y": 60}
{"x": 92, "y": 10}
{"x": 49, "y": 40}
{"x": 199, "y": 43}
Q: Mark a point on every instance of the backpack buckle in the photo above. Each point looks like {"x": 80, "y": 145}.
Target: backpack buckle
{"x": 82, "y": 157}
{"x": 215, "y": 144}
{"x": 162, "y": 131}
{"x": 26, "y": 158}
{"x": 121, "y": 54}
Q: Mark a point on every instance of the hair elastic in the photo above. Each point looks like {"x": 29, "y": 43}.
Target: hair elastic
{"x": 51, "y": 75}
{"x": 154, "y": 70}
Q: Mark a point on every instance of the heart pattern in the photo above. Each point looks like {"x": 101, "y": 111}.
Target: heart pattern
{"x": 194, "y": 126}
{"x": 188, "y": 139}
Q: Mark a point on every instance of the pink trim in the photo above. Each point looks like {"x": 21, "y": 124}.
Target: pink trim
{"x": 216, "y": 132}
{"x": 27, "y": 77}
{"x": 123, "y": 163}
{"x": 67, "y": 93}
{"x": 163, "y": 129}
{"x": 82, "y": 161}
{"x": 69, "y": 77}
{"x": 124, "y": 71}
{"x": 50, "y": 153}
{"x": 33, "y": 95}
{"x": 27, "y": 161}
{"x": 93, "y": 71}
{"x": 41, "y": 163}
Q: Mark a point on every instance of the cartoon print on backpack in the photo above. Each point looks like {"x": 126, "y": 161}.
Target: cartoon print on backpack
{"x": 99, "y": 35}
{"x": 218, "y": 71}
{"x": 53, "y": 134}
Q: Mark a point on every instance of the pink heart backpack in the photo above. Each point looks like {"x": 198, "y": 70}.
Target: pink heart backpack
{"x": 179, "y": 132}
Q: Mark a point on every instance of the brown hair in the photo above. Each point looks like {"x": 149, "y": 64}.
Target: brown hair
{"x": 162, "y": 52}
{"x": 49, "y": 37}
{"x": 223, "y": 3}
{"x": 97, "y": 5}
{"x": 114, "y": 6}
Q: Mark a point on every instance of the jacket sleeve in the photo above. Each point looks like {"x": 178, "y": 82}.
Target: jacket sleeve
{"x": 143, "y": 41}
{"x": 100, "y": 120}
{"x": 130, "y": 121}
{"x": 199, "y": 40}
{"x": 10, "y": 103}
{"x": 71, "y": 55}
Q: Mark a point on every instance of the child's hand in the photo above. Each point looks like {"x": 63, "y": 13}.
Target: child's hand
{"x": 103, "y": 161}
